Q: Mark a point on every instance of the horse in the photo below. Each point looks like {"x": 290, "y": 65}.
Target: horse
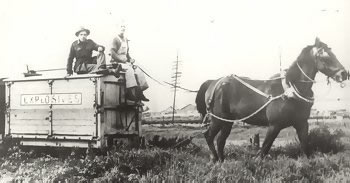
{"x": 282, "y": 101}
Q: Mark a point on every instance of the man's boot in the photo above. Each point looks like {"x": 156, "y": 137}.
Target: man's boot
{"x": 140, "y": 95}
{"x": 131, "y": 94}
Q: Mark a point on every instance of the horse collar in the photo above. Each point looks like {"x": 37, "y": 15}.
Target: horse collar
{"x": 291, "y": 91}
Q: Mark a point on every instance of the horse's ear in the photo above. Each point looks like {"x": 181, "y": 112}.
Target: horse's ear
{"x": 317, "y": 42}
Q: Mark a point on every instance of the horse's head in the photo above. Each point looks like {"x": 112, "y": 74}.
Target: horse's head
{"x": 327, "y": 62}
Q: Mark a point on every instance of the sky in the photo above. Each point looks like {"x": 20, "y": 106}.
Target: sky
{"x": 211, "y": 38}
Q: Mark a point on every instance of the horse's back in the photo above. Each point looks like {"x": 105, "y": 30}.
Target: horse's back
{"x": 230, "y": 98}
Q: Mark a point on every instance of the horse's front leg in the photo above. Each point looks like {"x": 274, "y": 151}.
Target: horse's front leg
{"x": 302, "y": 128}
{"x": 221, "y": 140}
{"x": 271, "y": 134}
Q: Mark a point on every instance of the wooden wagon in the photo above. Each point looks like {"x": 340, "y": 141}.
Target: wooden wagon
{"x": 80, "y": 111}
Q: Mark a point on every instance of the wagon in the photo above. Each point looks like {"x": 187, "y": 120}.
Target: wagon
{"x": 80, "y": 111}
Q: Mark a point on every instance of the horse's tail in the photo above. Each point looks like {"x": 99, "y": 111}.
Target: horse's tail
{"x": 200, "y": 98}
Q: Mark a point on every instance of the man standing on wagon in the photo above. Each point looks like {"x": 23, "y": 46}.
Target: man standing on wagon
{"x": 135, "y": 79}
{"x": 81, "y": 50}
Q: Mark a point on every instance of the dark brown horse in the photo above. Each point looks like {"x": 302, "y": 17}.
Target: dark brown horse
{"x": 277, "y": 103}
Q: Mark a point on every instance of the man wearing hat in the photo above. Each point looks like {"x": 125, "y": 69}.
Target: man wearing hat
{"x": 81, "y": 51}
{"x": 135, "y": 80}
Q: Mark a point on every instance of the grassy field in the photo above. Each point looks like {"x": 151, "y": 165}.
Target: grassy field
{"x": 239, "y": 134}
{"x": 285, "y": 162}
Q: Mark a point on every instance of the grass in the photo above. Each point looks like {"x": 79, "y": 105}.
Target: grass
{"x": 284, "y": 164}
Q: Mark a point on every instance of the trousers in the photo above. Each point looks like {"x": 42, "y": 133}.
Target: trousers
{"x": 86, "y": 68}
{"x": 134, "y": 76}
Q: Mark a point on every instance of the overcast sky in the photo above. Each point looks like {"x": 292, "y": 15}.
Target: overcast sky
{"x": 213, "y": 38}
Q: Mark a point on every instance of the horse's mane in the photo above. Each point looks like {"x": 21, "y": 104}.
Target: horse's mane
{"x": 304, "y": 53}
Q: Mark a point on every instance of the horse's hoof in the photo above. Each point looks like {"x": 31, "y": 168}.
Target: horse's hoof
{"x": 213, "y": 159}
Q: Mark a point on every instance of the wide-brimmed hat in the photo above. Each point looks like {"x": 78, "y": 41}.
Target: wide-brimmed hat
{"x": 81, "y": 29}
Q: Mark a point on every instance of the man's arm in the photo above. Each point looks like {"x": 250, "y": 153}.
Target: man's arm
{"x": 115, "y": 47}
{"x": 71, "y": 56}
{"x": 97, "y": 47}
{"x": 127, "y": 53}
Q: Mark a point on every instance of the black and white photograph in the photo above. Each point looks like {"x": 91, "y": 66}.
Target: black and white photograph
{"x": 162, "y": 91}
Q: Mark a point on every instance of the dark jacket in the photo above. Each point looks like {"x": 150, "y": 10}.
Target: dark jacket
{"x": 82, "y": 52}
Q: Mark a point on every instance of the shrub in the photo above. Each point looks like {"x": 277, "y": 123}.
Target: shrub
{"x": 322, "y": 140}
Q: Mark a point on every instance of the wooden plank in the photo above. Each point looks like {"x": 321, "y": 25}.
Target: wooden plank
{"x": 26, "y": 87}
{"x": 55, "y": 137}
{"x": 66, "y": 122}
{"x": 27, "y": 125}
{"x": 60, "y": 143}
{"x": 119, "y": 120}
{"x": 29, "y": 131}
{"x": 30, "y": 123}
{"x": 76, "y": 114}
{"x": 111, "y": 94}
{"x": 84, "y": 86}
{"x": 24, "y": 123}
{"x": 110, "y": 119}
{"x": 79, "y": 130}
{"x": 29, "y": 114}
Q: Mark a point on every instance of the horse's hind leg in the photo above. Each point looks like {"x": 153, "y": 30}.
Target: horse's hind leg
{"x": 224, "y": 133}
{"x": 272, "y": 133}
{"x": 209, "y": 135}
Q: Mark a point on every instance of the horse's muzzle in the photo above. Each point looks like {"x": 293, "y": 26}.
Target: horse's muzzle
{"x": 341, "y": 76}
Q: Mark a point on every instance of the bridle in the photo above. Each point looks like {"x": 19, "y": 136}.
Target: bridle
{"x": 317, "y": 58}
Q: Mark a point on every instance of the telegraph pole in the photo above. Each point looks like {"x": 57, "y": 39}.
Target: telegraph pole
{"x": 175, "y": 77}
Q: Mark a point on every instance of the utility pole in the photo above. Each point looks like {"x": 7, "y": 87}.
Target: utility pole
{"x": 175, "y": 83}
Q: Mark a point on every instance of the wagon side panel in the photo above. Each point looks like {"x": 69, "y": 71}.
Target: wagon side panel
{"x": 77, "y": 116}
{"x": 27, "y": 112}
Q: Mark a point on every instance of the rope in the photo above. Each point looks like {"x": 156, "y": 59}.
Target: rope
{"x": 250, "y": 86}
{"x": 150, "y": 76}
{"x": 272, "y": 79}
{"x": 311, "y": 100}
{"x": 165, "y": 82}
{"x": 181, "y": 87}
{"x": 311, "y": 80}
{"x": 249, "y": 116}
{"x": 204, "y": 120}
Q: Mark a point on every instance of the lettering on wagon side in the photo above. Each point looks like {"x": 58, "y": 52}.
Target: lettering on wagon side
{"x": 52, "y": 99}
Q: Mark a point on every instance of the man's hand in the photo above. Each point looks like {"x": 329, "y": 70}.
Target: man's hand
{"x": 132, "y": 61}
{"x": 100, "y": 49}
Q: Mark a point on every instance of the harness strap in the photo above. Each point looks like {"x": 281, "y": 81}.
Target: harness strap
{"x": 250, "y": 86}
{"x": 311, "y": 80}
{"x": 291, "y": 91}
{"x": 247, "y": 117}
{"x": 212, "y": 94}
{"x": 241, "y": 81}
{"x": 295, "y": 91}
